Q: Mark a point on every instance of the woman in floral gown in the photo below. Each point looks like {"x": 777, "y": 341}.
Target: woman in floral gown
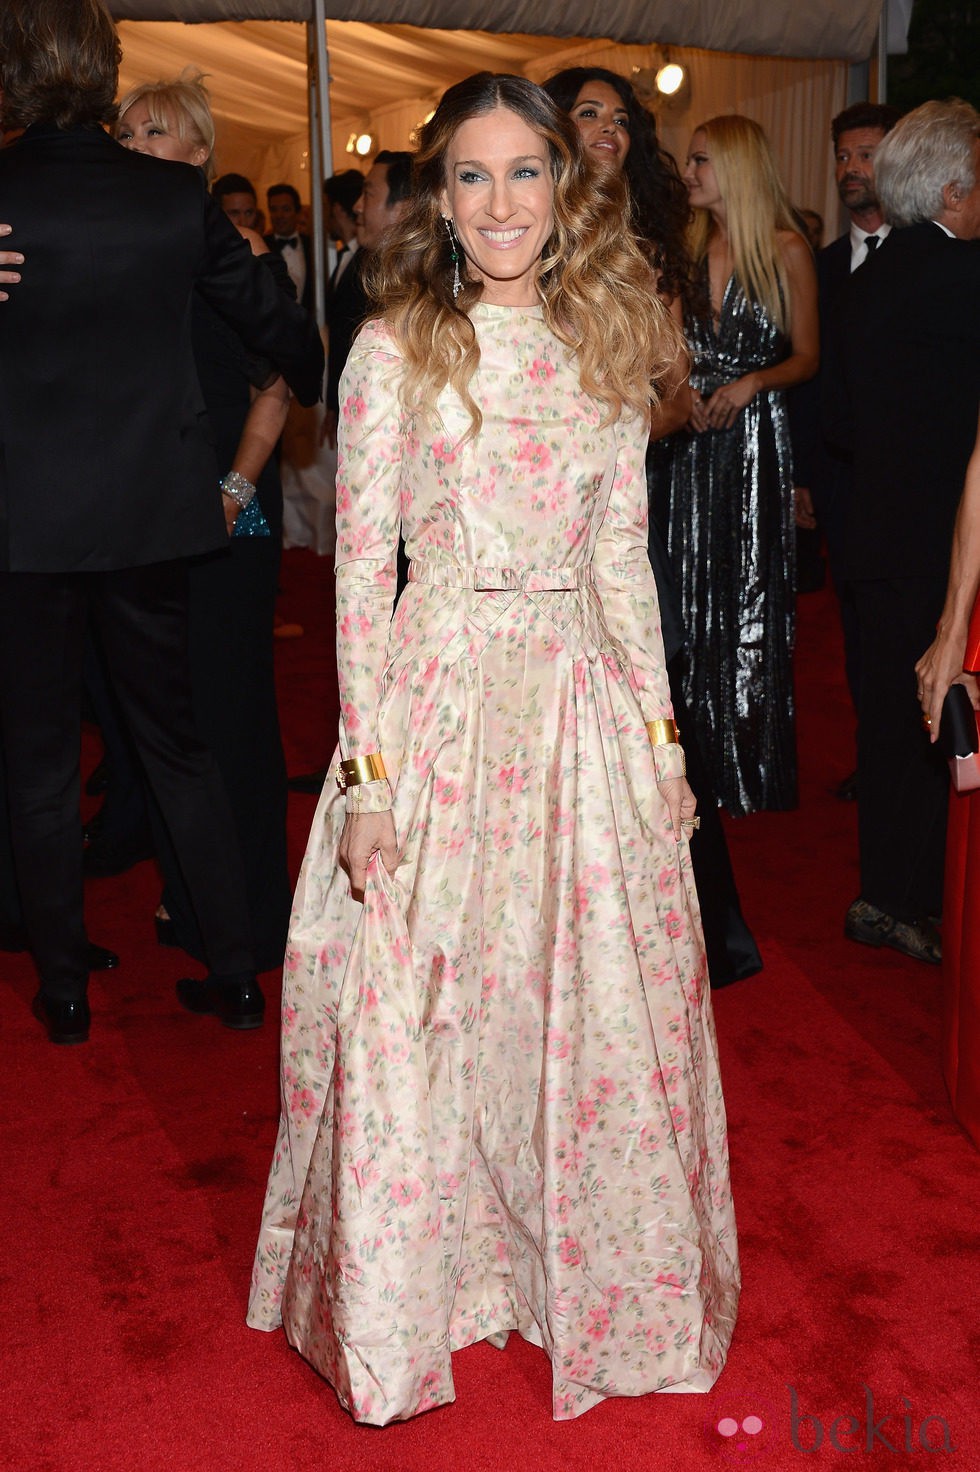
{"x": 501, "y": 1107}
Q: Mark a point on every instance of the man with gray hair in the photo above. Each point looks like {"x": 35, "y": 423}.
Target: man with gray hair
{"x": 909, "y": 416}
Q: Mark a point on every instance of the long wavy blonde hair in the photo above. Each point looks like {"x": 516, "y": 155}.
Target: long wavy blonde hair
{"x": 594, "y": 282}
{"x": 756, "y": 208}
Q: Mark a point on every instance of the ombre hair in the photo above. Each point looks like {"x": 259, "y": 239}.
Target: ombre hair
{"x": 756, "y": 208}
{"x": 181, "y": 107}
{"x": 593, "y": 281}
{"x": 59, "y": 63}
{"x": 930, "y": 148}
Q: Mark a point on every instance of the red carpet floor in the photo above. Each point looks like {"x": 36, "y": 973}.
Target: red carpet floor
{"x": 133, "y": 1171}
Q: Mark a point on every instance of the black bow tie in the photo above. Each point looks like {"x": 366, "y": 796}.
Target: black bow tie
{"x": 282, "y": 242}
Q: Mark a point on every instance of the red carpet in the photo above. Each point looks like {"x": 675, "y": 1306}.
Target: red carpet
{"x": 133, "y": 1171}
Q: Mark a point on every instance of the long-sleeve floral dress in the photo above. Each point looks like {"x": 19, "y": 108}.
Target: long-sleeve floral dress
{"x": 501, "y": 1106}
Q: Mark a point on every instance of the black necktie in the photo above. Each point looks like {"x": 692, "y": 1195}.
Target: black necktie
{"x": 336, "y": 270}
{"x": 282, "y": 242}
{"x": 872, "y": 243}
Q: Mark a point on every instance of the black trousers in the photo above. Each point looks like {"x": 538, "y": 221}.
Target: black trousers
{"x": 140, "y": 615}
{"x": 232, "y": 604}
{"x": 902, "y": 780}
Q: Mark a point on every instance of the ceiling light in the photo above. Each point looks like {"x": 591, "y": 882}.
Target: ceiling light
{"x": 670, "y": 79}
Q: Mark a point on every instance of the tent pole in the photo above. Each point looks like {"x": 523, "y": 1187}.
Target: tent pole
{"x": 881, "y": 57}
{"x": 321, "y": 148}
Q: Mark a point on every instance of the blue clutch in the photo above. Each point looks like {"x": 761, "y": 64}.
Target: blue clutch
{"x": 251, "y": 522}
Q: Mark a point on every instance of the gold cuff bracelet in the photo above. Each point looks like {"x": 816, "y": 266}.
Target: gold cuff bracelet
{"x": 360, "y": 769}
{"x": 663, "y": 733}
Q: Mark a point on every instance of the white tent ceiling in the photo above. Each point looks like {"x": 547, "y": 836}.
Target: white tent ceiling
{"x": 838, "y": 29}
{"x": 257, "y": 71}
{"x": 386, "y": 77}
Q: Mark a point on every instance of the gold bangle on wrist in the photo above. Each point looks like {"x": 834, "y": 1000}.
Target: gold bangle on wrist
{"x": 663, "y": 733}
{"x": 358, "y": 769}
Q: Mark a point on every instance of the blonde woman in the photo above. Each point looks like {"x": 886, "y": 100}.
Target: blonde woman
{"x": 731, "y": 526}
{"x": 501, "y": 1102}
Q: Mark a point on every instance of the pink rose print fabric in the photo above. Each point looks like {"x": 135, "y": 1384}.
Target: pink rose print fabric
{"x": 501, "y": 1108}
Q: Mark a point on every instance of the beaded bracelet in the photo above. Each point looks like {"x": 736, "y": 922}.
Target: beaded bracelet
{"x": 237, "y": 488}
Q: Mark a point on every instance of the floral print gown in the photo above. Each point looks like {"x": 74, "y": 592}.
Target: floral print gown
{"x": 501, "y": 1107}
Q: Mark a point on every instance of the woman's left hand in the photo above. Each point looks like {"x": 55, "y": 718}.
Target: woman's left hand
{"x": 728, "y": 401}
{"x": 231, "y": 509}
{"x": 681, "y": 802}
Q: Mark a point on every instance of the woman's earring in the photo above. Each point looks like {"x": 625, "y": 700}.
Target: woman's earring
{"x": 454, "y": 257}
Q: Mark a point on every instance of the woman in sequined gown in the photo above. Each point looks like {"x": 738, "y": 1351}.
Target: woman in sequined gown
{"x": 730, "y": 515}
{"x": 500, "y": 1098}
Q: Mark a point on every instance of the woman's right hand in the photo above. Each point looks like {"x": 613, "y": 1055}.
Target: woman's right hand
{"x": 364, "y": 835}
{"x": 940, "y": 667}
{"x": 699, "y": 413}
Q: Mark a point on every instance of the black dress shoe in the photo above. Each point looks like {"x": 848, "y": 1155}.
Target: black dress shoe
{"x": 309, "y": 782}
{"x": 106, "y": 856}
{"x": 67, "y": 1022}
{"x": 237, "y": 1004}
{"x": 870, "y": 926}
{"x": 99, "y": 959}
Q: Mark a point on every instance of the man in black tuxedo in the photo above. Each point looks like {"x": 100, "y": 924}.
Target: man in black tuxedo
{"x": 380, "y": 204}
{"x": 108, "y": 482}
{"x": 289, "y": 242}
{"x": 910, "y": 365}
{"x": 822, "y": 472}
{"x": 340, "y": 195}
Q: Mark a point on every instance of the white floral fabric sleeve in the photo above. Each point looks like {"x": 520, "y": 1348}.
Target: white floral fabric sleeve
{"x": 627, "y": 590}
{"x": 369, "y": 457}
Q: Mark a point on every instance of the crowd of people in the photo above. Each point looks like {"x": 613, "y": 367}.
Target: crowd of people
{"x": 580, "y": 398}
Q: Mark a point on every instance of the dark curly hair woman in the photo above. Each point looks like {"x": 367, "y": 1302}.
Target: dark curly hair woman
{"x": 616, "y": 128}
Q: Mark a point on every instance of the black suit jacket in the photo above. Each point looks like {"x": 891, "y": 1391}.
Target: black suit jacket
{"x": 346, "y": 311}
{"x": 274, "y": 243}
{"x": 106, "y": 454}
{"x": 816, "y": 463}
{"x": 909, "y": 349}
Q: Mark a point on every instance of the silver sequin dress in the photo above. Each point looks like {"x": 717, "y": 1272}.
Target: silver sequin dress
{"x": 731, "y": 540}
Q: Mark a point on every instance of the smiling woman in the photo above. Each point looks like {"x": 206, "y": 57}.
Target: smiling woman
{"x": 499, "y": 196}
{"x": 501, "y": 1104}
